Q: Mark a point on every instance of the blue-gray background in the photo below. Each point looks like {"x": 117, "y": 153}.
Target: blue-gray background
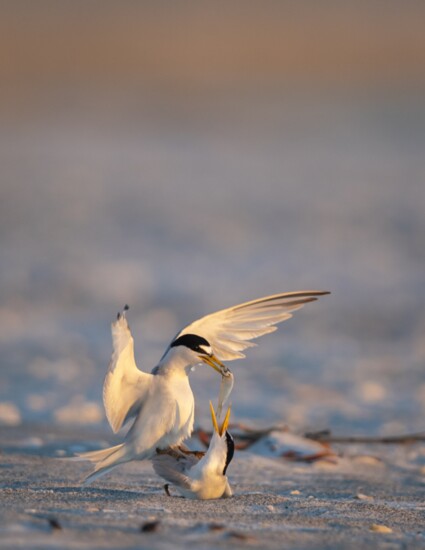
{"x": 186, "y": 159}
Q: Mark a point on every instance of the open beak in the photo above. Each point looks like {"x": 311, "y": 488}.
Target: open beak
{"x": 215, "y": 363}
{"x": 225, "y": 422}
{"x": 214, "y": 419}
{"x": 221, "y": 431}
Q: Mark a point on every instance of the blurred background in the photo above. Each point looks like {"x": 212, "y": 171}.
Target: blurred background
{"x": 184, "y": 157}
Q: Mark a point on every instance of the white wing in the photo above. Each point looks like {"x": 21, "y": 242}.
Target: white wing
{"x": 125, "y": 385}
{"x": 174, "y": 470}
{"x": 228, "y": 331}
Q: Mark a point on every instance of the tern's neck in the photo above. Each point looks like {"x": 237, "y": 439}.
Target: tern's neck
{"x": 174, "y": 364}
{"x": 214, "y": 459}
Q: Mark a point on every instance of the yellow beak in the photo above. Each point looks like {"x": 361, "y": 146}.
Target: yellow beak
{"x": 221, "y": 431}
{"x": 225, "y": 421}
{"x": 215, "y": 363}
{"x": 214, "y": 419}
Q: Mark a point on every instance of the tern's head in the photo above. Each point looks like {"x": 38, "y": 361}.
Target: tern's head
{"x": 200, "y": 349}
{"x": 222, "y": 438}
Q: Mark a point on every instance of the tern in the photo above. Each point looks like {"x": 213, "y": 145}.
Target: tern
{"x": 161, "y": 402}
{"x": 200, "y": 475}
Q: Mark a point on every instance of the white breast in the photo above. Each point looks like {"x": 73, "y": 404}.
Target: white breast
{"x": 175, "y": 404}
{"x": 184, "y": 404}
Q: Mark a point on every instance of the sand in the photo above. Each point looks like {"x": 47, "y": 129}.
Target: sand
{"x": 372, "y": 496}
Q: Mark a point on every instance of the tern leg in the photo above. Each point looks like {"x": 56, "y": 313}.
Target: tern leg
{"x": 166, "y": 489}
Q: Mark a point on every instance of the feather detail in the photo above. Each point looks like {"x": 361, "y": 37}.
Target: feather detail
{"x": 229, "y": 330}
{"x": 125, "y": 385}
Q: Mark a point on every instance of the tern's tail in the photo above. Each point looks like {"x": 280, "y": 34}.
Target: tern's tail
{"x": 104, "y": 460}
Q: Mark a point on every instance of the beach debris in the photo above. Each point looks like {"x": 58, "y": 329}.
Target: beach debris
{"x": 292, "y": 447}
{"x": 368, "y": 460}
{"x": 54, "y": 524}
{"x": 361, "y": 496}
{"x": 295, "y": 492}
{"x": 378, "y": 528}
{"x": 277, "y": 442}
{"x": 215, "y": 527}
{"x": 150, "y": 526}
{"x": 326, "y": 436}
{"x": 205, "y": 527}
{"x": 237, "y": 535}
{"x": 43, "y": 521}
{"x": 245, "y": 435}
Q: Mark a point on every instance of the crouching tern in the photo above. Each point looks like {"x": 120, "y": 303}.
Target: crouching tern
{"x": 161, "y": 402}
{"x": 200, "y": 475}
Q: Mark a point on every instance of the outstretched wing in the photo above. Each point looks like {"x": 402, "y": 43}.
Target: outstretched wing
{"x": 229, "y": 331}
{"x": 125, "y": 385}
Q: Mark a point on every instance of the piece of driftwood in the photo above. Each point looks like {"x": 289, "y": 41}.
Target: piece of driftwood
{"x": 276, "y": 441}
{"x": 245, "y": 436}
{"x": 326, "y": 436}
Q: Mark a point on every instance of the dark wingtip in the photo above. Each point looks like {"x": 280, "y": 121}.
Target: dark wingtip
{"x": 320, "y": 293}
{"x": 124, "y": 309}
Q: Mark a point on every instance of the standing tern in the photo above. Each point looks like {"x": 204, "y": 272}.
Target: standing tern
{"x": 162, "y": 403}
{"x": 200, "y": 477}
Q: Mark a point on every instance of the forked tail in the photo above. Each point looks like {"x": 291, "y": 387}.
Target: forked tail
{"x": 104, "y": 460}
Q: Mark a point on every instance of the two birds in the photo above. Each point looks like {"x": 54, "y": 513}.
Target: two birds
{"x": 200, "y": 475}
{"x": 162, "y": 403}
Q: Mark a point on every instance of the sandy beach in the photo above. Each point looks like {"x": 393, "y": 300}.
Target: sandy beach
{"x": 372, "y": 496}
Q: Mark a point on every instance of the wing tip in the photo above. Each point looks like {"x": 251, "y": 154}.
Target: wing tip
{"x": 122, "y": 313}
{"x": 311, "y": 293}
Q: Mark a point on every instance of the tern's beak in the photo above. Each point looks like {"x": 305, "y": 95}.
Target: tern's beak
{"x": 214, "y": 419}
{"x": 215, "y": 363}
{"x": 225, "y": 422}
{"x": 221, "y": 431}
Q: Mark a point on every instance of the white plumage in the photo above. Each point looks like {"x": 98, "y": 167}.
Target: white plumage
{"x": 200, "y": 477}
{"x": 162, "y": 401}
{"x": 229, "y": 331}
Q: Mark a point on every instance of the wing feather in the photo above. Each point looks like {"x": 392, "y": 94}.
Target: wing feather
{"x": 125, "y": 385}
{"x": 230, "y": 330}
{"x": 173, "y": 470}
